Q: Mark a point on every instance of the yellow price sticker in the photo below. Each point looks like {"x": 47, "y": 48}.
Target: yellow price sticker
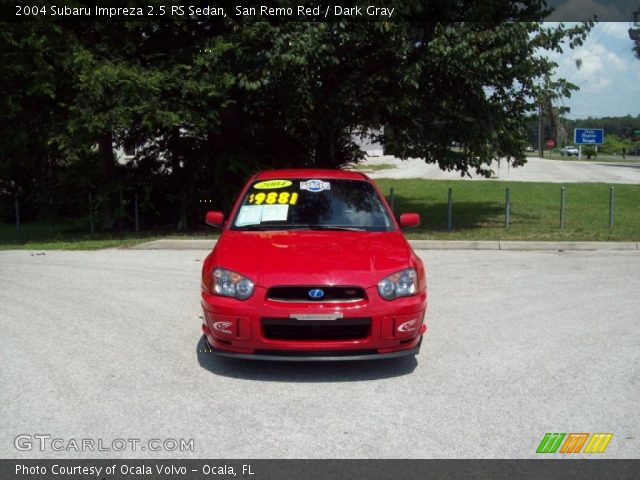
{"x": 272, "y": 184}
{"x": 281, "y": 198}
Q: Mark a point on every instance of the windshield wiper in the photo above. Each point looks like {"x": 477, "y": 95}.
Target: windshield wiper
{"x": 300, "y": 227}
{"x": 254, "y": 227}
{"x": 335, "y": 227}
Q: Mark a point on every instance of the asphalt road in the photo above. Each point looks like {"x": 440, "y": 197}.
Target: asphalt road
{"x": 104, "y": 345}
{"x": 535, "y": 170}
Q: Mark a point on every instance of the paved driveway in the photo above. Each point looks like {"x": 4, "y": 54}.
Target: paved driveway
{"x": 535, "y": 170}
{"x": 104, "y": 345}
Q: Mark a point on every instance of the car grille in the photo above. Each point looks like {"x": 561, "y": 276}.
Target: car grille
{"x": 301, "y": 294}
{"x": 341, "y": 329}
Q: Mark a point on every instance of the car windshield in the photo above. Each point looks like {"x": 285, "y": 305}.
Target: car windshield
{"x": 312, "y": 204}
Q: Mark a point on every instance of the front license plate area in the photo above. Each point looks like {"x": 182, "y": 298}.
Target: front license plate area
{"x": 313, "y": 329}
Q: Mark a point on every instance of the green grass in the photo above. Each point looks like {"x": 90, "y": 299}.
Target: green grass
{"x": 76, "y": 244}
{"x": 478, "y": 210}
{"x": 74, "y": 235}
{"x": 478, "y": 214}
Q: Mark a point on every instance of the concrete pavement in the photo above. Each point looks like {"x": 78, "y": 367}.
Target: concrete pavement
{"x": 535, "y": 170}
{"x": 105, "y": 345}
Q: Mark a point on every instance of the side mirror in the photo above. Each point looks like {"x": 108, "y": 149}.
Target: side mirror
{"x": 408, "y": 220}
{"x": 214, "y": 219}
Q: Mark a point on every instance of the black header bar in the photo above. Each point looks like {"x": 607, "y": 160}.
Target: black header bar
{"x": 317, "y": 469}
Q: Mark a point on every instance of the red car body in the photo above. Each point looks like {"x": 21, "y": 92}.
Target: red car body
{"x": 290, "y": 267}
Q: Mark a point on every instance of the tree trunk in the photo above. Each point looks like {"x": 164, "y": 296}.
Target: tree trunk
{"x": 183, "y": 213}
{"x": 108, "y": 164}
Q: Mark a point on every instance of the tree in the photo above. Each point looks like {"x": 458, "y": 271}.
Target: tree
{"x": 150, "y": 85}
{"x": 309, "y": 88}
{"x": 208, "y": 102}
{"x": 548, "y": 92}
{"x": 634, "y": 35}
{"x": 32, "y": 110}
{"x": 477, "y": 84}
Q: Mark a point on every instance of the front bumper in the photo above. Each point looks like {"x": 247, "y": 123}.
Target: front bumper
{"x": 311, "y": 356}
{"x": 249, "y": 329}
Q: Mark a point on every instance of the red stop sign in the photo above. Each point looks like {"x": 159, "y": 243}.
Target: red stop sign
{"x": 551, "y": 143}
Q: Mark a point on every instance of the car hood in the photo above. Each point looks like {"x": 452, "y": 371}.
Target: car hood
{"x": 303, "y": 257}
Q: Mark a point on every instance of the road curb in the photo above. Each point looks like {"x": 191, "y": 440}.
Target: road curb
{"x": 513, "y": 245}
{"x": 454, "y": 245}
{"x": 586, "y": 246}
{"x": 177, "y": 244}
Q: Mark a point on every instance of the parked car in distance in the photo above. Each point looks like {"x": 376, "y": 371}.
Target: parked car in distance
{"x": 569, "y": 151}
{"x": 312, "y": 265}
{"x": 528, "y": 148}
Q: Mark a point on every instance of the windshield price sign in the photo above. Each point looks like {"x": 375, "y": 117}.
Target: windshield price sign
{"x": 588, "y": 136}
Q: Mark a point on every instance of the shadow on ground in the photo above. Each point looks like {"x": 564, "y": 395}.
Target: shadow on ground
{"x": 307, "y": 372}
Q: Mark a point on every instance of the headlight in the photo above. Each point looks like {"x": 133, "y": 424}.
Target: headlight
{"x": 400, "y": 284}
{"x": 231, "y": 284}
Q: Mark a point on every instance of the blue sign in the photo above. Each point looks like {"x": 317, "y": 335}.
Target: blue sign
{"x": 588, "y": 136}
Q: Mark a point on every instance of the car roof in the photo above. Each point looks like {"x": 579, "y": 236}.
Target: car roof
{"x": 310, "y": 173}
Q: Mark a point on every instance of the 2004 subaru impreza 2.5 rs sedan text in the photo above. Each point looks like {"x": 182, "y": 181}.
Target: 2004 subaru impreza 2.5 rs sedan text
{"x": 312, "y": 265}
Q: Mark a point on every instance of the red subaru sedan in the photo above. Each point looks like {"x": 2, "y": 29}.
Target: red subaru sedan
{"x": 311, "y": 265}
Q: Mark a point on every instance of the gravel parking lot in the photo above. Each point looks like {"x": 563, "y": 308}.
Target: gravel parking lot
{"x": 104, "y": 345}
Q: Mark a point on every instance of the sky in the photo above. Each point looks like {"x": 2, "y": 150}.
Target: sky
{"x": 609, "y": 75}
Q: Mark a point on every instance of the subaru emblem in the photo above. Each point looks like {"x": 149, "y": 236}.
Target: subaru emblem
{"x": 316, "y": 293}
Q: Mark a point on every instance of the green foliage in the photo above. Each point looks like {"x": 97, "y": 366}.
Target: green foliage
{"x": 615, "y": 145}
{"x": 634, "y": 33}
{"x": 208, "y": 103}
{"x": 588, "y": 151}
{"x": 621, "y": 127}
{"x": 618, "y": 131}
{"x": 475, "y": 85}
